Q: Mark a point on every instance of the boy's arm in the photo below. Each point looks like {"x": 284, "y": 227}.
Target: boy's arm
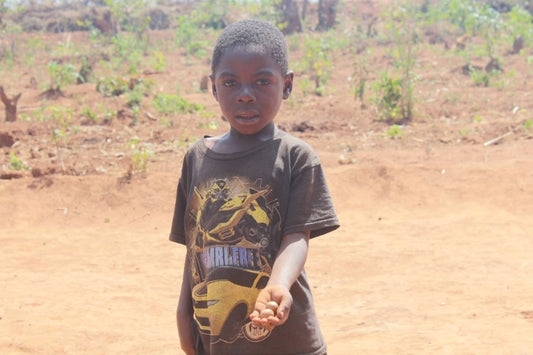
{"x": 288, "y": 266}
{"x": 184, "y": 314}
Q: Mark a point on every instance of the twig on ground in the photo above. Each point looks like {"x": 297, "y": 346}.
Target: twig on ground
{"x": 497, "y": 139}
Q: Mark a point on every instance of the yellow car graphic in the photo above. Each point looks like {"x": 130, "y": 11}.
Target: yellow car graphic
{"x": 223, "y": 304}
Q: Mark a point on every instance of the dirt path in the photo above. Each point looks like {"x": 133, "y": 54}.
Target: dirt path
{"x": 434, "y": 256}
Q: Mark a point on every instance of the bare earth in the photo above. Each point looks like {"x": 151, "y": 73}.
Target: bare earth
{"x": 434, "y": 256}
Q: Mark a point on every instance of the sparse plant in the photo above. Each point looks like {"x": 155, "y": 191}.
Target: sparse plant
{"x": 316, "y": 61}
{"x": 112, "y": 86}
{"x": 189, "y": 38}
{"x": 395, "y": 131}
{"x": 461, "y": 13}
{"x": 173, "y": 103}
{"x": 134, "y": 96}
{"x": 7, "y": 57}
{"x": 90, "y": 114}
{"x": 85, "y": 71}
{"x": 17, "y": 163}
{"x": 128, "y": 52}
{"x": 109, "y": 115}
{"x": 480, "y": 77}
{"x": 464, "y": 132}
{"x": 212, "y": 13}
{"x": 359, "y": 79}
{"x": 61, "y": 118}
{"x": 158, "y": 61}
{"x": 140, "y": 154}
{"x": 305, "y": 85}
{"x": 131, "y": 16}
{"x": 490, "y": 25}
{"x": 388, "y": 99}
{"x": 212, "y": 125}
{"x": 519, "y": 26}
{"x": 394, "y": 98}
{"x": 166, "y": 122}
{"x": 61, "y": 75}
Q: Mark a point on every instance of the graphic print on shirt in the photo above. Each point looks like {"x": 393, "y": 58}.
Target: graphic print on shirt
{"x": 232, "y": 220}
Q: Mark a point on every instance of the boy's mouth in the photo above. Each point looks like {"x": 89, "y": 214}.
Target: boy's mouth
{"x": 247, "y": 116}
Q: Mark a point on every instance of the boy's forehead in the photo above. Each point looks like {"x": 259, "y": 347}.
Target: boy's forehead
{"x": 249, "y": 48}
{"x": 248, "y": 51}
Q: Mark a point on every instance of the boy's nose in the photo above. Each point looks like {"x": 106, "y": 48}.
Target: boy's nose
{"x": 246, "y": 95}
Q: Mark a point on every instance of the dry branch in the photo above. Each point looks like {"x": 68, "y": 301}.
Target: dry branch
{"x": 10, "y": 104}
{"x": 497, "y": 139}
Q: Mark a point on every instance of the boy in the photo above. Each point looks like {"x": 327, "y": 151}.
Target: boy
{"x": 247, "y": 204}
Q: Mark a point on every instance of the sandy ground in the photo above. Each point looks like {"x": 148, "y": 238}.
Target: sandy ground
{"x": 435, "y": 251}
{"x": 434, "y": 256}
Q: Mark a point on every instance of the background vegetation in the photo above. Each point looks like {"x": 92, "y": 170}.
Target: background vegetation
{"x": 130, "y": 43}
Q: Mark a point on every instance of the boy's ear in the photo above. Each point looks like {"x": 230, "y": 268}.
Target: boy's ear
{"x": 287, "y": 85}
{"x": 213, "y": 87}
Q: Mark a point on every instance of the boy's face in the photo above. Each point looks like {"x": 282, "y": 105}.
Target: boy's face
{"x": 249, "y": 87}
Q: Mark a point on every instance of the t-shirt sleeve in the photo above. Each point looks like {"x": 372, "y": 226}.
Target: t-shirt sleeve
{"x": 177, "y": 229}
{"x": 310, "y": 204}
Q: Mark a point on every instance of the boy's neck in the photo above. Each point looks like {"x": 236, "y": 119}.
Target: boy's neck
{"x": 233, "y": 141}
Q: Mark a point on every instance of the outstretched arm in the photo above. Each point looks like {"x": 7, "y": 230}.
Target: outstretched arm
{"x": 287, "y": 267}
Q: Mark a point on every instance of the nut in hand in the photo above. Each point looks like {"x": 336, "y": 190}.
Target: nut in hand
{"x": 265, "y": 313}
{"x": 272, "y": 305}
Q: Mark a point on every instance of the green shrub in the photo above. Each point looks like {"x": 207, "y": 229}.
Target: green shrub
{"x": 394, "y": 92}
{"x": 140, "y": 154}
{"x": 112, "y": 86}
{"x": 61, "y": 74}
{"x": 316, "y": 61}
{"x": 388, "y": 100}
{"x": 172, "y": 103}
{"x": 16, "y": 163}
{"x": 479, "y": 77}
{"x": 188, "y": 37}
{"x": 395, "y": 131}
{"x": 90, "y": 114}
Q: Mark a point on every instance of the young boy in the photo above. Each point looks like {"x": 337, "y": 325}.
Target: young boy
{"x": 247, "y": 204}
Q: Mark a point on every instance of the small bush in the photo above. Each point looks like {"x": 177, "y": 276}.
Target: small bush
{"x": 16, "y": 163}
{"x": 109, "y": 86}
{"x": 171, "y": 103}
{"x": 389, "y": 99}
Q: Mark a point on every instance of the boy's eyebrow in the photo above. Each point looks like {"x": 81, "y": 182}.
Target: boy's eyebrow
{"x": 265, "y": 72}
{"x": 260, "y": 72}
{"x": 226, "y": 73}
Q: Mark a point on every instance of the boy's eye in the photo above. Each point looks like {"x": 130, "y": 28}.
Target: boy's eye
{"x": 229, "y": 83}
{"x": 263, "y": 82}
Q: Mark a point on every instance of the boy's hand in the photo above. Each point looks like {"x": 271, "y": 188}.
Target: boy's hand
{"x": 278, "y": 299}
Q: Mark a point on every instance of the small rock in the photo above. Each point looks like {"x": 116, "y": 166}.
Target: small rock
{"x": 6, "y": 140}
{"x": 345, "y": 160}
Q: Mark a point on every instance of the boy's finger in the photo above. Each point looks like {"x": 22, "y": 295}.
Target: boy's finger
{"x": 283, "y": 308}
{"x": 254, "y": 314}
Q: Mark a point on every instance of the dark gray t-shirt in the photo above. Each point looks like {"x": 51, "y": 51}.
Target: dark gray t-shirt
{"x": 231, "y": 212}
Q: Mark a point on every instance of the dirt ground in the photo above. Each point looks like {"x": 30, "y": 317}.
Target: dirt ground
{"x": 434, "y": 255}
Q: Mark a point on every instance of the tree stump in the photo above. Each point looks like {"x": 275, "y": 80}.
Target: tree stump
{"x": 10, "y": 104}
{"x": 327, "y": 13}
{"x": 518, "y": 44}
{"x": 291, "y": 17}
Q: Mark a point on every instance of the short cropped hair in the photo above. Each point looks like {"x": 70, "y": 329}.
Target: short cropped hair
{"x": 256, "y": 33}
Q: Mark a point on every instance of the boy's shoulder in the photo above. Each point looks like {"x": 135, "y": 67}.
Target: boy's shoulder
{"x": 292, "y": 141}
{"x": 197, "y": 145}
{"x": 296, "y": 148}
